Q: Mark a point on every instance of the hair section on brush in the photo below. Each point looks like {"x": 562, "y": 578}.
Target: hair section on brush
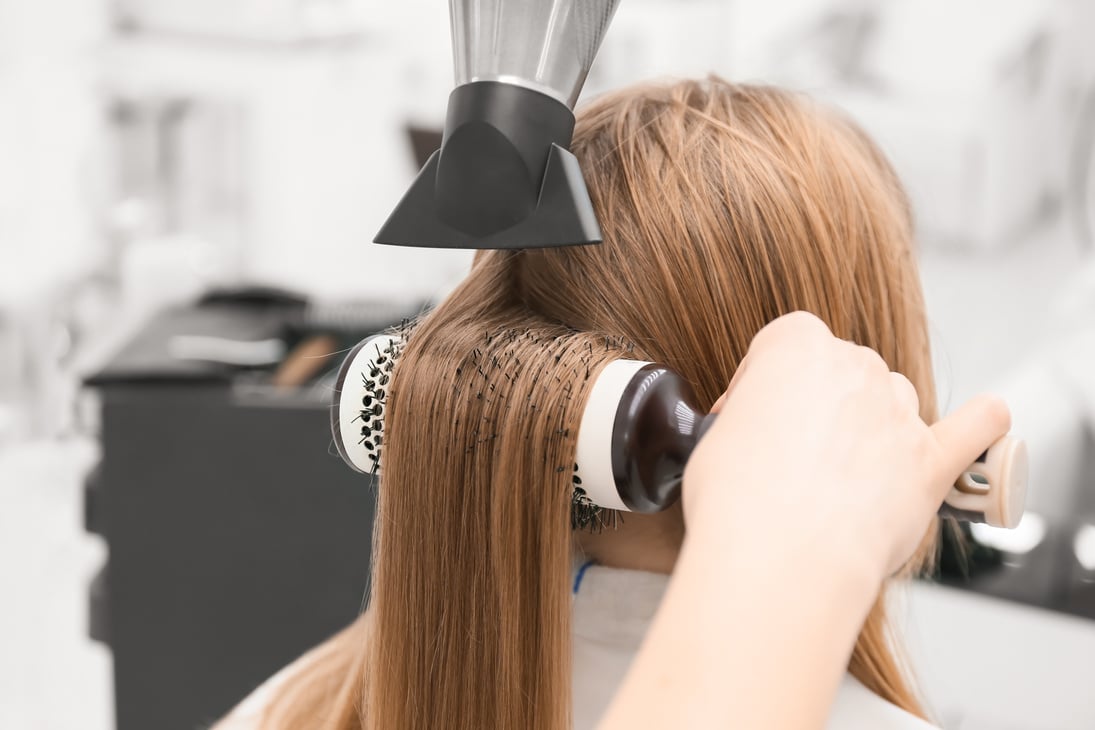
{"x": 477, "y": 495}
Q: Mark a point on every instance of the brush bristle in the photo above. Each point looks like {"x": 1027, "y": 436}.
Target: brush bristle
{"x": 375, "y": 385}
{"x": 488, "y": 365}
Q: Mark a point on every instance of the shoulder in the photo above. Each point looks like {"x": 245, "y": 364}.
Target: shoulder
{"x": 857, "y": 708}
{"x": 248, "y": 714}
{"x": 336, "y": 663}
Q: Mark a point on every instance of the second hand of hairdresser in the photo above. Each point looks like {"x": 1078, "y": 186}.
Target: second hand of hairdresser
{"x": 817, "y": 435}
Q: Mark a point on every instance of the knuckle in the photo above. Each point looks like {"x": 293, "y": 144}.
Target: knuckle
{"x": 906, "y": 385}
{"x": 870, "y": 359}
{"x": 806, "y": 322}
{"x": 905, "y": 392}
{"x": 801, "y": 327}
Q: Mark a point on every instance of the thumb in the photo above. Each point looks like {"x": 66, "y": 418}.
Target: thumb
{"x": 967, "y": 432}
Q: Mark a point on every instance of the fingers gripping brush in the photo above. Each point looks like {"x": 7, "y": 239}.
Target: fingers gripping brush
{"x": 640, "y": 425}
{"x": 637, "y": 431}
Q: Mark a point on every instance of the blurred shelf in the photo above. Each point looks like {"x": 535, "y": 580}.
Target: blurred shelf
{"x": 144, "y": 63}
{"x": 269, "y": 21}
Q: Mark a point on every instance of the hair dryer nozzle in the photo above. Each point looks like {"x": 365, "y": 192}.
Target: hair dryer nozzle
{"x": 503, "y": 177}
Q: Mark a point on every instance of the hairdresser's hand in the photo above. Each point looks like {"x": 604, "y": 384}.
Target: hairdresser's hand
{"x": 815, "y": 483}
{"x": 822, "y": 448}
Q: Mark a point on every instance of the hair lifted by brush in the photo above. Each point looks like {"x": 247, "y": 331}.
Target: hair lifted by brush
{"x": 722, "y": 208}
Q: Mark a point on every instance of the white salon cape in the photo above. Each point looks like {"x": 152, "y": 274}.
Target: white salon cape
{"x": 613, "y": 610}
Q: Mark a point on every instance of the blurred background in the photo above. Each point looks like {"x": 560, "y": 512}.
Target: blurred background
{"x": 188, "y": 189}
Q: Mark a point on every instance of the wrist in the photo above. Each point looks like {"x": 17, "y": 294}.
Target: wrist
{"x": 822, "y": 562}
{"x": 724, "y": 523}
{"x": 748, "y": 591}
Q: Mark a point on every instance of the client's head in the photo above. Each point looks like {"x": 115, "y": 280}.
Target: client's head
{"x": 722, "y": 207}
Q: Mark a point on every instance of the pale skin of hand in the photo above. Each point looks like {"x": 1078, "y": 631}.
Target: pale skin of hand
{"x": 816, "y": 482}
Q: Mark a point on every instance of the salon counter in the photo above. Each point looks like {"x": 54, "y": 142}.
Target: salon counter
{"x": 987, "y": 664}
{"x": 237, "y": 538}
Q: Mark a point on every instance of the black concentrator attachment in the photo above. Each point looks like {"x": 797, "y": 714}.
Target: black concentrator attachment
{"x": 504, "y": 176}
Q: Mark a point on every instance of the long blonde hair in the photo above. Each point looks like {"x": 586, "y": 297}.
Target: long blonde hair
{"x": 722, "y": 207}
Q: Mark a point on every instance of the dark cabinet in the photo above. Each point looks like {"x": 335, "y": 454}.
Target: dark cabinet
{"x": 237, "y": 539}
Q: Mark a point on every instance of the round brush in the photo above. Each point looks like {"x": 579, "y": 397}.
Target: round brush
{"x": 638, "y": 429}
{"x": 641, "y": 424}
